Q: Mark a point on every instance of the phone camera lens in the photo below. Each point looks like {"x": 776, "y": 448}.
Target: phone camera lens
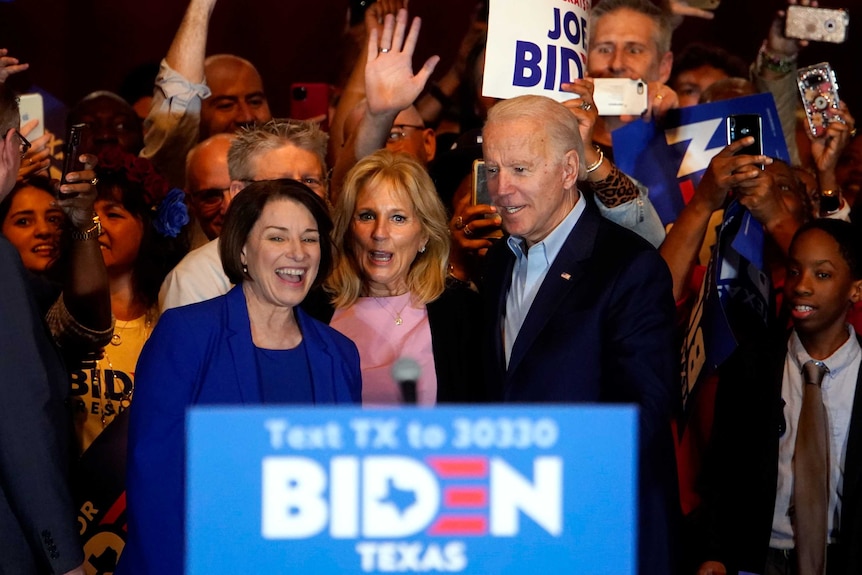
{"x": 300, "y": 93}
{"x": 829, "y": 25}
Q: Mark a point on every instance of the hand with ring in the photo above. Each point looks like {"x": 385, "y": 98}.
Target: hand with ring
{"x": 390, "y": 84}
{"x": 473, "y": 227}
{"x": 78, "y": 196}
{"x": 582, "y": 107}
{"x": 660, "y": 99}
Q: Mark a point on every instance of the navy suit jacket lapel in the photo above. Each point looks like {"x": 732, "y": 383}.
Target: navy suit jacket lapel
{"x": 241, "y": 347}
{"x": 564, "y": 275}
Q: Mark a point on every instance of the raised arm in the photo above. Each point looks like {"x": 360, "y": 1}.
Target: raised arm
{"x": 81, "y": 319}
{"x": 188, "y": 49}
{"x": 390, "y": 86}
{"x": 172, "y": 126}
{"x": 683, "y": 241}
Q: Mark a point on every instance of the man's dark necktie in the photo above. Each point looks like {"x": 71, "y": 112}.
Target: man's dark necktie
{"x": 811, "y": 474}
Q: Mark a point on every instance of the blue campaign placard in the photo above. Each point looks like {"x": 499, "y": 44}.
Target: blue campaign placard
{"x": 474, "y": 490}
{"x": 670, "y": 158}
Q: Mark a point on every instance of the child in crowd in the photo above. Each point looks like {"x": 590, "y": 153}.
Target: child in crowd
{"x": 762, "y": 512}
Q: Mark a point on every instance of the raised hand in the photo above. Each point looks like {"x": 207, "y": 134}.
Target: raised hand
{"x": 390, "y": 83}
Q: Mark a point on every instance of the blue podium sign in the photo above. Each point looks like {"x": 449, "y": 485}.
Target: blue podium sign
{"x": 475, "y": 490}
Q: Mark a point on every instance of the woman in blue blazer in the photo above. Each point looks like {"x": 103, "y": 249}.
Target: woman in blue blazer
{"x": 251, "y": 346}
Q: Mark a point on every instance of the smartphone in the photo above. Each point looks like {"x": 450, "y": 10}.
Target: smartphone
{"x": 743, "y": 125}
{"x": 480, "y": 183}
{"x": 819, "y": 90}
{"x": 620, "y": 96}
{"x": 816, "y": 24}
{"x": 310, "y": 100}
{"x": 32, "y": 108}
{"x": 72, "y": 151}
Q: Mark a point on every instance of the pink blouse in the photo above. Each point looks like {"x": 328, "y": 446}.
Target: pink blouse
{"x": 372, "y": 323}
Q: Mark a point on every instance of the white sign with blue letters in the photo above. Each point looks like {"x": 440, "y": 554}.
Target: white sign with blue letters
{"x": 534, "y": 46}
{"x": 474, "y": 490}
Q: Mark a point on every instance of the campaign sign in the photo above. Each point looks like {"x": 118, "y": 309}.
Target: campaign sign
{"x": 670, "y": 158}
{"x": 474, "y": 490}
{"x": 535, "y": 46}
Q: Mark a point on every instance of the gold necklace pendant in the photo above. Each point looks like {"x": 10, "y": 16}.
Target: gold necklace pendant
{"x": 396, "y": 315}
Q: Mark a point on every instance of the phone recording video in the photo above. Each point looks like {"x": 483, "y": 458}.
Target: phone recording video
{"x": 741, "y": 126}
{"x": 816, "y": 24}
{"x": 72, "y": 152}
{"x": 819, "y": 90}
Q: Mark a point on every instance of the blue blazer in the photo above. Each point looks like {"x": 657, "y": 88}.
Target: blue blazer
{"x": 599, "y": 330}
{"x": 203, "y": 354}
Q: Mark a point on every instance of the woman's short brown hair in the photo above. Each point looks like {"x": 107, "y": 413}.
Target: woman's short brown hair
{"x": 247, "y": 207}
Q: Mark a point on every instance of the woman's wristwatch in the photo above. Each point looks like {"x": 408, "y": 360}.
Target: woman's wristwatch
{"x": 93, "y": 231}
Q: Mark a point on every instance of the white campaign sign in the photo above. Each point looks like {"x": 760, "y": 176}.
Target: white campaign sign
{"x": 534, "y": 46}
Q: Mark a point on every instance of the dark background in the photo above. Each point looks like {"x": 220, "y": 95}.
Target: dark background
{"x": 77, "y": 46}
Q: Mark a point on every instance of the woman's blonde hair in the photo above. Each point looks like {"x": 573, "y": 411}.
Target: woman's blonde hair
{"x": 426, "y": 278}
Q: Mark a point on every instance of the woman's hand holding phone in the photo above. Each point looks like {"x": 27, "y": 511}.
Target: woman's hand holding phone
{"x": 38, "y": 157}
{"x": 77, "y": 197}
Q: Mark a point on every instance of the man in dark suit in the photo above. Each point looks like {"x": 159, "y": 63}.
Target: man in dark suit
{"x": 38, "y": 532}
{"x": 578, "y": 309}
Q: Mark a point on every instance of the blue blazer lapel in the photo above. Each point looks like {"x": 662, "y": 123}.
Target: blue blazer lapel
{"x": 320, "y": 360}
{"x": 565, "y": 273}
{"x": 241, "y": 347}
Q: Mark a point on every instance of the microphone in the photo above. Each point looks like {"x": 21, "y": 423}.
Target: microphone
{"x": 406, "y": 373}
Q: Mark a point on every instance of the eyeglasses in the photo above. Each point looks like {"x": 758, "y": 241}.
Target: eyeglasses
{"x": 210, "y": 197}
{"x": 24, "y": 145}
{"x": 397, "y": 132}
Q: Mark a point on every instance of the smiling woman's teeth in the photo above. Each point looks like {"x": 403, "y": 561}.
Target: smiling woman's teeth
{"x": 290, "y": 274}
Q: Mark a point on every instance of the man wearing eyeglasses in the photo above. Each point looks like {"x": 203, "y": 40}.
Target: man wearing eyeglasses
{"x": 292, "y": 149}
{"x": 208, "y": 187}
{"x": 409, "y": 134}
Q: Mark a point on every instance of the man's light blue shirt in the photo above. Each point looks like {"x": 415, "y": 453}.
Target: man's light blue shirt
{"x": 531, "y": 267}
